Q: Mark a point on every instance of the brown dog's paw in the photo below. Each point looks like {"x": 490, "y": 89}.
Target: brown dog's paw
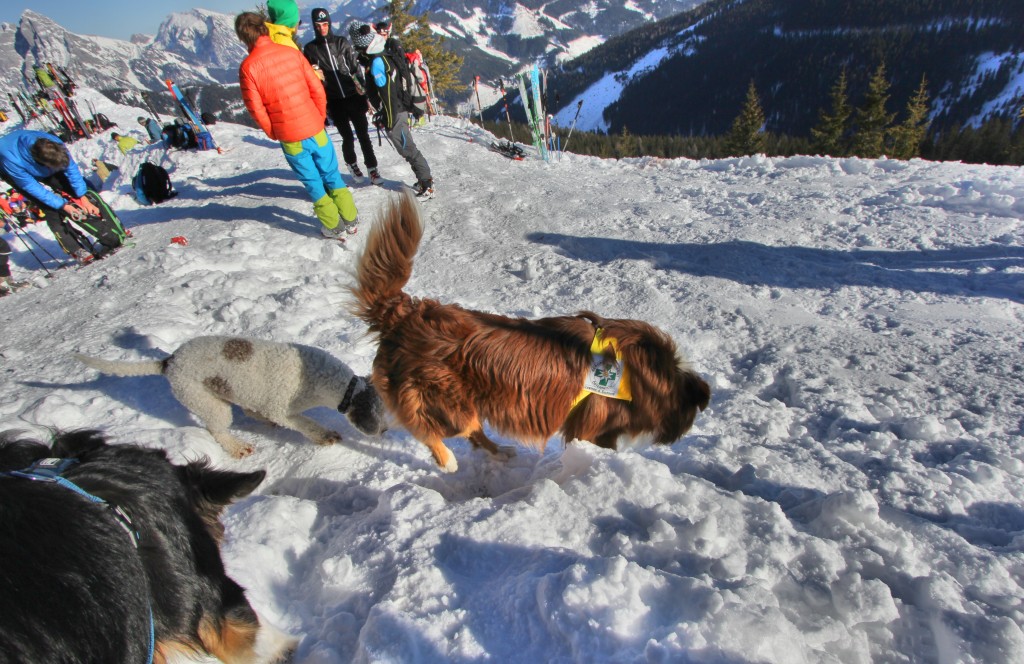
{"x": 447, "y": 462}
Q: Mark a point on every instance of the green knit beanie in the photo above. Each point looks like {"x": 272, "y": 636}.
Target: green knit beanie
{"x": 283, "y": 12}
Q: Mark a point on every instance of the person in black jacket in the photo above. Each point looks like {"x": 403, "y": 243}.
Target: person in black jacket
{"x": 390, "y": 97}
{"x": 337, "y": 65}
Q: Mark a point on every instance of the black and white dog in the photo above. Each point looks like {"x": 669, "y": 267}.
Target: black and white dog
{"x": 110, "y": 553}
{"x": 272, "y": 381}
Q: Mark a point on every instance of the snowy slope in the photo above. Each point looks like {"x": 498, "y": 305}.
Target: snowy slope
{"x": 855, "y": 492}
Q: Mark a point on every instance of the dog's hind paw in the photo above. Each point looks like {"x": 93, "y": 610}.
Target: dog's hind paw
{"x": 242, "y": 451}
{"x": 233, "y": 446}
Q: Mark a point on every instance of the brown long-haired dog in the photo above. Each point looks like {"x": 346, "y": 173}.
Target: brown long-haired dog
{"x": 444, "y": 370}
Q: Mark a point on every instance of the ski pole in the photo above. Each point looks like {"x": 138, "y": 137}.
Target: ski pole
{"x": 386, "y": 138}
{"x": 21, "y": 235}
{"x": 573, "y": 126}
{"x": 479, "y": 107}
{"x": 508, "y": 116}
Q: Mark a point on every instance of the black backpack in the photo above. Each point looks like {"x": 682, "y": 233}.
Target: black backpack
{"x": 180, "y": 136}
{"x": 409, "y": 91}
{"x": 153, "y": 183}
{"x": 176, "y": 136}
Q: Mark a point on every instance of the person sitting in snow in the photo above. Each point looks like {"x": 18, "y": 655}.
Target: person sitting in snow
{"x": 286, "y": 99}
{"x": 103, "y": 171}
{"x": 156, "y": 134}
{"x": 124, "y": 143}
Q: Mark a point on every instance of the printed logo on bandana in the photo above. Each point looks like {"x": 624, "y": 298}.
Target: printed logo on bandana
{"x": 604, "y": 377}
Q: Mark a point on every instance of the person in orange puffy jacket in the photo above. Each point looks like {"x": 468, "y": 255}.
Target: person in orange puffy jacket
{"x": 286, "y": 99}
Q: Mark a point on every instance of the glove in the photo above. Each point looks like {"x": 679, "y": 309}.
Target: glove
{"x": 87, "y": 205}
{"x": 378, "y": 120}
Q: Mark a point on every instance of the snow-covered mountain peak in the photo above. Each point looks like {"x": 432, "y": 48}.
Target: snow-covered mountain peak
{"x": 194, "y": 48}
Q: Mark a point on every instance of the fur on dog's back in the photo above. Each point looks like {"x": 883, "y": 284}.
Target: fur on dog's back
{"x": 443, "y": 369}
{"x": 273, "y": 367}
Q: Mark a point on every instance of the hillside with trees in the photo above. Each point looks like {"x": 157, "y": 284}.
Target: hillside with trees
{"x": 795, "y": 51}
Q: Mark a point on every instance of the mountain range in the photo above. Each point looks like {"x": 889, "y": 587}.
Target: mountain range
{"x": 689, "y": 74}
{"x": 647, "y": 66}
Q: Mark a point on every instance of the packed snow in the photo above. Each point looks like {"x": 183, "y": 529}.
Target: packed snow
{"x": 854, "y": 493}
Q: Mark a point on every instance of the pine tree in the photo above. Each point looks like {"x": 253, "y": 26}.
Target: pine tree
{"x": 746, "y": 136}
{"x": 415, "y": 34}
{"x": 873, "y": 121}
{"x": 908, "y": 135}
{"x": 830, "y": 136}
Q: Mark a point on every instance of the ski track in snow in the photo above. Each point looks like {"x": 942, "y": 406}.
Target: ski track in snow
{"x": 854, "y": 493}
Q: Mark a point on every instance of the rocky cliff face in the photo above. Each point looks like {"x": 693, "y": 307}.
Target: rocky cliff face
{"x": 194, "y": 48}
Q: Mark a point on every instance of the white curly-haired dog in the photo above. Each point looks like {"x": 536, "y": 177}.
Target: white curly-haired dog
{"x": 271, "y": 381}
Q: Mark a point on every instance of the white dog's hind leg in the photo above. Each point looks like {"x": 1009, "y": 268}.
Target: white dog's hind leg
{"x": 214, "y": 413}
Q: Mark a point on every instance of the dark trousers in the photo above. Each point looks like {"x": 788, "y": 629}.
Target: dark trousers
{"x": 401, "y": 138}
{"x": 5, "y": 251}
{"x": 349, "y": 114}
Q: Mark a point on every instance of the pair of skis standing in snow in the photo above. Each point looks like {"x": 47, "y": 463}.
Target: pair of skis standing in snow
{"x": 532, "y": 92}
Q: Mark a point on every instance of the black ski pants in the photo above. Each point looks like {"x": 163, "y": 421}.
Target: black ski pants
{"x": 348, "y": 114}
{"x": 5, "y": 251}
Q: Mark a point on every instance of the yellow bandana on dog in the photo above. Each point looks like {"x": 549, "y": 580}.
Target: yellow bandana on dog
{"x": 605, "y": 377}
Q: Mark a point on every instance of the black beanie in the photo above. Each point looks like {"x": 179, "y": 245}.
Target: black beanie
{"x": 321, "y": 15}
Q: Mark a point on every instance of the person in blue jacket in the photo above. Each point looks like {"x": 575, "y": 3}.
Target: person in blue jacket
{"x": 39, "y": 166}
{"x": 389, "y": 98}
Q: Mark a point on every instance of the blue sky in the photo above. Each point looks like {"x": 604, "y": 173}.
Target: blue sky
{"x": 115, "y": 18}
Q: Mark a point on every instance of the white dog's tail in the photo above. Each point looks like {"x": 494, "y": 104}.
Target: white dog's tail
{"x": 120, "y": 368}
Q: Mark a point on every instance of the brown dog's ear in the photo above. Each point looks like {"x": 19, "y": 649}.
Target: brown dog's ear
{"x": 219, "y": 487}
{"x": 698, "y": 391}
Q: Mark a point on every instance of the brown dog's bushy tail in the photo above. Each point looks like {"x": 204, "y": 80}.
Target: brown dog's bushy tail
{"x": 386, "y": 263}
{"x": 119, "y": 368}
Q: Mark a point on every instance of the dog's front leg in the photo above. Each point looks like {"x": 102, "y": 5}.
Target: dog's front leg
{"x": 442, "y": 455}
{"x": 310, "y": 429}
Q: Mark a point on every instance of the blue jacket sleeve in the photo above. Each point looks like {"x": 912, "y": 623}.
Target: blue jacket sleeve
{"x": 27, "y": 184}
